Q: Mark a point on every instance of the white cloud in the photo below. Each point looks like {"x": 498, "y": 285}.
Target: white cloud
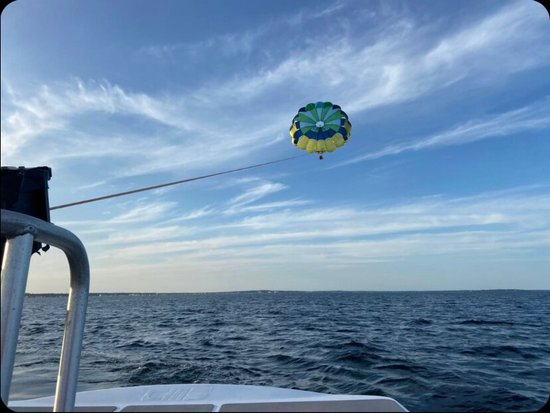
{"x": 243, "y": 42}
{"x": 196, "y": 214}
{"x": 490, "y": 223}
{"x": 190, "y": 141}
{"x": 158, "y": 238}
{"x": 275, "y": 205}
{"x": 486, "y": 37}
{"x": 529, "y": 118}
{"x": 229, "y": 44}
{"x": 398, "y": 64}
{"x": 146, "y": 212}
{"x": 117, "y": 239}
{"x": 53, "y": 107}
{"x": 255, "y": 193}
{"x": 134, "y": 212}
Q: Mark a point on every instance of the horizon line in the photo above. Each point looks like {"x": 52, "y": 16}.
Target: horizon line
{"x": 288, "y": 291}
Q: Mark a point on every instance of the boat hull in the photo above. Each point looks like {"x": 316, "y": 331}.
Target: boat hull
{"x": 214, "y": 398}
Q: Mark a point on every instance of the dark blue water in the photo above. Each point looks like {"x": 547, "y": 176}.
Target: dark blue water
{"x": 442, "y": 351}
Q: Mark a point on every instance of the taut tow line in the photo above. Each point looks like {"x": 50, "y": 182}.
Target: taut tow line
{"x": 148, "y": 188}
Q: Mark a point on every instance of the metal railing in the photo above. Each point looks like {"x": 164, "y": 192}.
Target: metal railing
{"x": 21, "y": 231}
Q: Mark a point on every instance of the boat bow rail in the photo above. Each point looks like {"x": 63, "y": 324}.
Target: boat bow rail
{"x": 22, "y": 231}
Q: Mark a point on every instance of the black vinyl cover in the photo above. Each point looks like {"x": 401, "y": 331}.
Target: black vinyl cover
{"x": 25, "y": 190}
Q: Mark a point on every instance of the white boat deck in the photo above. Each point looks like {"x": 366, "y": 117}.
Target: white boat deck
{"x": 213, "y": 398}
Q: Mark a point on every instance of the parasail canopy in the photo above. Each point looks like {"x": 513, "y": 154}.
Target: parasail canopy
{"x": 320, "y": 127}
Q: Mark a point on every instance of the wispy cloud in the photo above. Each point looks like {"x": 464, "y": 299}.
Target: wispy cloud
{"x": 136, "y": 212}
{"x": 154, "y": 236}
{"x": 146, "y": 212}
{"x": 78, "y": 97}
{"x": 253, "y": 194}
{"x": 528, "y": 118}
{"x": 360, "y": 73}
{"x": 493, "y": 222}
{"x": 229, "y": 45}
{"x": 199, "y": 213}
{"x": 189, "y": 140}
{"x": 53, "y": 107}
{"x": 243, "y": 42}
{"x": 399, "y": 64}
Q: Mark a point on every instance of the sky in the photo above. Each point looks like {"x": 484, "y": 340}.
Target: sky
{"x": 444, "y": 184}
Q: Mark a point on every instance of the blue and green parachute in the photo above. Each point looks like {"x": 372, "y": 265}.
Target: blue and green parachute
{"x": 320, "y": 127}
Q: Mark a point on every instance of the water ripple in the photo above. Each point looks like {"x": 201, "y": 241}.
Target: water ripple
{"x": 449, "y": 351}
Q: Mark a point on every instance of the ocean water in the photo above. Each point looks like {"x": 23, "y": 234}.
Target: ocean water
{"x": 431, "y": 351}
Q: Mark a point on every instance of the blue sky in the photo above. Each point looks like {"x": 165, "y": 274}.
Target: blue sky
{"x": 445, "y": 183}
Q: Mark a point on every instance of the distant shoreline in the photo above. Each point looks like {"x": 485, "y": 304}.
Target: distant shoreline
{"x": 292, "y": 291}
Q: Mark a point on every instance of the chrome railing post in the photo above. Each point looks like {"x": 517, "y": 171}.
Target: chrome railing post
{"x": 67, "y": 377}
{"x": 13, "y": 225}
{"x": 15, "y": 269}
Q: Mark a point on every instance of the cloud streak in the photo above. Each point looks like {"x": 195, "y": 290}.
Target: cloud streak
{"x": 360, "y": 73}
{"x": 530, "y": 118}
{"x": 513, "y": 221}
